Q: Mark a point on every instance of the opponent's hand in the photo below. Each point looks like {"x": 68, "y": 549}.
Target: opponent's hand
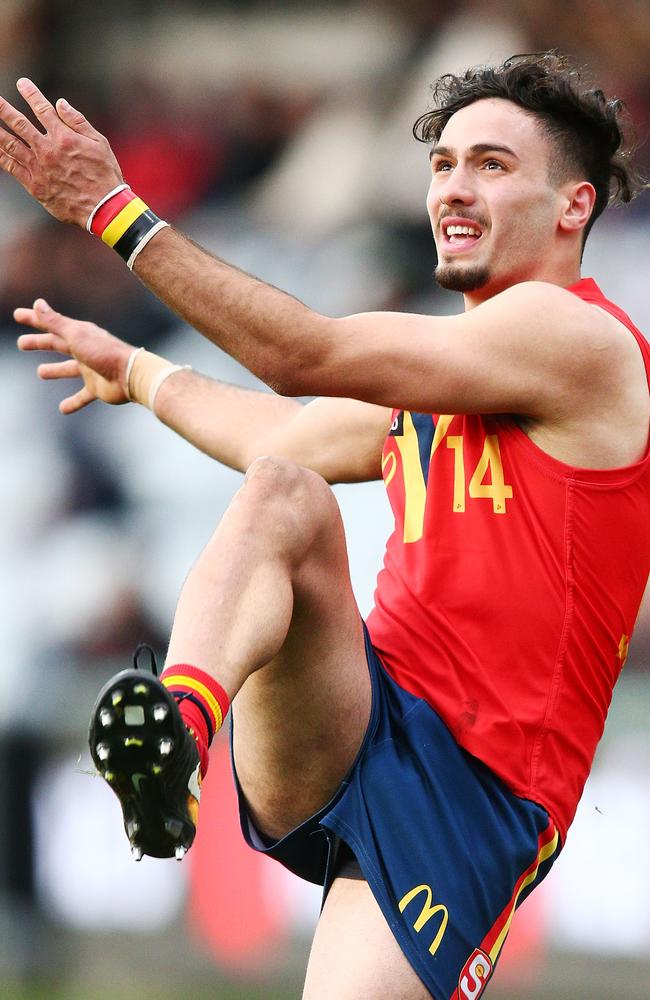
{"x": 96, "y": 356}
{"x": 69, "y": 167}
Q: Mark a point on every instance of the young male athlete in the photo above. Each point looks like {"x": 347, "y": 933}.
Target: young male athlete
{"x": 425, "y": 769}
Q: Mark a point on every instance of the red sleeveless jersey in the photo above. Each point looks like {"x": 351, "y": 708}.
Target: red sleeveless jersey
{"x": 510, "y": 588}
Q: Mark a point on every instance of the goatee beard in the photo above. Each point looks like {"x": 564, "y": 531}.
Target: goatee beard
{"x": 461, "y": 279}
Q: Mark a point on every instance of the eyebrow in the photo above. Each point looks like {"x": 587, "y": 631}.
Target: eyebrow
{"x": 475, "y": 150}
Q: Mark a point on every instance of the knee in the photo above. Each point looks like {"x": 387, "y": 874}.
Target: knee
{"x": 272, "y": 473}
{"x": 279, "y": 488}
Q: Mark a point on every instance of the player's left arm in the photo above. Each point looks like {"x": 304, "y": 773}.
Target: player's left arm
{"x": 532, "y": 349}
{"x": 535, "y": 349}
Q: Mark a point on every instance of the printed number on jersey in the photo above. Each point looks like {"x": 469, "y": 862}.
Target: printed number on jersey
{"x": 418, "y": 440}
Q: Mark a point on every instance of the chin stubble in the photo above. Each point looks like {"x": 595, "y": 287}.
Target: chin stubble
{"x": 460, "y": 279}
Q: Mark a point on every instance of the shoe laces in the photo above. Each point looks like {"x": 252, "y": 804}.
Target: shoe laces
{"x": 145, "y": 648}
{"x": 141, "y": 648}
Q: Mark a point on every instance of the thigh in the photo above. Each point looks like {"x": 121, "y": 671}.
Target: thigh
{"x": 354, "y": 955}
{"x": 299, "y": 722}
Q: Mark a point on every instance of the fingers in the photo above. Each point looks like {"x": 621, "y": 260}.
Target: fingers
{"x": 15, "y": 148}
{"x": 29, "y": 317}
{"x": 16, "y": 169}
{"x": 59, "y": 369}
{"x": 71, "y": 404}
{"x": 47, "y": 114}
{"x": 25, "y": 316}
{"x": 42, "y": 342}
{"x": 42, "y": 317}
{"x": 38, "y": 102}
{"x": 75, "y": 120}
{"x": 18, "y": 123}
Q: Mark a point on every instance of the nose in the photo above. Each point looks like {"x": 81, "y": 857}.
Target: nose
{"x": 454, "y": 187}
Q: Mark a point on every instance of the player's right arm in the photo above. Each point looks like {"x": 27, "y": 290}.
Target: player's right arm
{"x": 341, "y": 439}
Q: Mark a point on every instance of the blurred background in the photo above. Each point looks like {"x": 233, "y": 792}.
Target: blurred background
{"x": 278, "y": 136}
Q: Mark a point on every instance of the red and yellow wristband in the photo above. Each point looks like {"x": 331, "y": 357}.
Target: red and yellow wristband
{"x": 124, "y": 222}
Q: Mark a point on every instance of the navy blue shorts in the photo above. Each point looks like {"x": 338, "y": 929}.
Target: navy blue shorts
{"x": 448, "y": 851}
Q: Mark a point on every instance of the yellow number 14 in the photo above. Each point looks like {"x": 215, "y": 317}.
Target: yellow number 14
{"x": 490, "y": 461}
{"x": 415, "y": 488}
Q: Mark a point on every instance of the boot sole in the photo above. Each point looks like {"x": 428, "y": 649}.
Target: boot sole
{"x": 139, "y": 745}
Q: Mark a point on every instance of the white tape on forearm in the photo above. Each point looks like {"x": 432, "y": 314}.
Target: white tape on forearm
{"x": 129, "y": 367}
{"x": 160, "y": 378}
{"x": 143, "y": 242}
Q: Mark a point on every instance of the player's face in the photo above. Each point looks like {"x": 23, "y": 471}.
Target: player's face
{"x": 490, "y": 175}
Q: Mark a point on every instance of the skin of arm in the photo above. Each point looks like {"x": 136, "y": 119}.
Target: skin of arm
{"x": 534, "y": 349}
{"x": 341, "y": 439}
{"x": 504, "y": 356}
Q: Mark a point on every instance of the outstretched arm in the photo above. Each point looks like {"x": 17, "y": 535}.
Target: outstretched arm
{"x": 339, "y": 438}
{"x": 534, "y": 349}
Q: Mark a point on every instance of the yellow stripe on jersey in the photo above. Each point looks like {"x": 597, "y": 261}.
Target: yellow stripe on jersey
{"x": 415, "y": 490}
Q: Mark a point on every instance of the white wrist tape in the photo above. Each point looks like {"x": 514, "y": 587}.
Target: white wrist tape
{"x": 158, "y": 381}
{"x": 146, "y": 372}
{"x": 143, "y": 242}
{"x": 107, "y": 197}
{"x": 127, "y": 375}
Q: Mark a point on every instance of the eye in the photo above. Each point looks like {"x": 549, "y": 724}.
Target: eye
{"x": 441, "y": 166}
{"x": 493, "y": 165}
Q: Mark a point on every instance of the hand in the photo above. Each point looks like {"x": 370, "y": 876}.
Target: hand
{"x": 96, "y": 356}
{"x": 68, "y": 168}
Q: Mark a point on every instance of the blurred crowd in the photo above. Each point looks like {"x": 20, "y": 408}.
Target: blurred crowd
{"x": 279, "y": 136}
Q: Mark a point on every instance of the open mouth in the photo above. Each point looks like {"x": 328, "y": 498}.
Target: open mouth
{"x": 459, "y": 234}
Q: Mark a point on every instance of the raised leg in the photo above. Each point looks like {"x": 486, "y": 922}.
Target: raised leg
{"x": 268, "y": 610}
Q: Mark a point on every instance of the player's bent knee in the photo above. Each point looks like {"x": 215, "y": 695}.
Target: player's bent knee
{"x": 296, "y": 491}
{"x": 273, "y": 469}
{"x": 279, "y": 474}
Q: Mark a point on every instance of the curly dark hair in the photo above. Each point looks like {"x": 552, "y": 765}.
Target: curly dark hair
{"x": 585, "y": 127}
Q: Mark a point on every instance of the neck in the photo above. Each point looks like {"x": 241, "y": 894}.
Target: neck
{"x": 560, "y": 275}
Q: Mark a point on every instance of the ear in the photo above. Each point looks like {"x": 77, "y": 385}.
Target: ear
{"x": 579, "y": 200}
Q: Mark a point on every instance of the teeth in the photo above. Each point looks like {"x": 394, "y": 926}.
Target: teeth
{"x": 160, "y": 712}
{"x": 106, "y": 717}
{"x": 180, "y": 852}
{"x": 165, "y": 746}
{"x": 462, "y": 231}
{"x": 103, "y": 751}
{"x": 136, "y": 852}
{"x": 132, "y": 827}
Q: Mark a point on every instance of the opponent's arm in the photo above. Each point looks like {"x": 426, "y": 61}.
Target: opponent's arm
{"x": 511, "y": 354}
{"x": 339, "y": 438}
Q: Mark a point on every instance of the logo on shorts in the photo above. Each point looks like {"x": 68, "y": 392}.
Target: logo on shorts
{"x": 474, "y": 975}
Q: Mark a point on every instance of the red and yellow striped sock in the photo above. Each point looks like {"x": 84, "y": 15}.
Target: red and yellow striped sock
{"x": 202, "y": 702}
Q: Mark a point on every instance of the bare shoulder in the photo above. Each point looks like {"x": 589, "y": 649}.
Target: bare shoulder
{"x": 601, "y": 418}
{"x": 602, "y": 341}
{"x": 592, "y": 345}
{"x": 536, "y": 306}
